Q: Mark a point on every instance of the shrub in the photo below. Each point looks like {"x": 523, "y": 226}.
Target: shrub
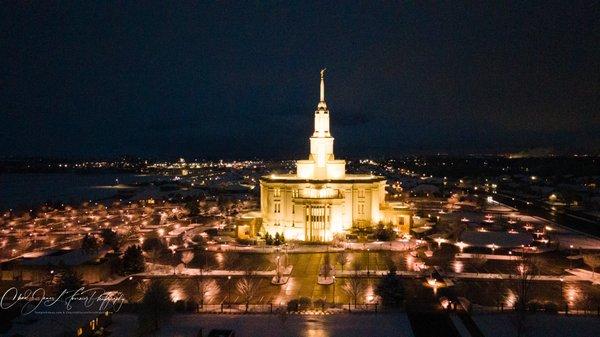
{"x": 133, "y": 261}
{"x": 198, "y": 239}
{"x": 304, "y": 303}
{"x": 186, "y": 306}
{"x": 385, "y": 232}
{"x": 551, "y": 308}
{"x": 321, "y": 304}
{"x": 292, "y": 305}
{"x": 391, "y": 289}
{"x": 533, "y": 306}
{"x": 244, "y": 241}
{"x": 268, "y": 239}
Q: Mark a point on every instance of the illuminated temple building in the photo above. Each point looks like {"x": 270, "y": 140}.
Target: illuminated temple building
{"x": 321, "y": 199}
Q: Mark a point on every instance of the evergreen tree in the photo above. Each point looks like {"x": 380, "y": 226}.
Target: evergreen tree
{"x": 154, "y": 244}
{"x": 193, "y": 207}
{"x": 69, "y": 281}
{"x": 155, "y": 309}
{"x": 111, "y": 239}
{"x": 89, "y": 244}
{"x": 277, "y": 241}
{"x": 268, "y": 239}
{"x": 133, "y": 260}
{"x": 391, "y": 289}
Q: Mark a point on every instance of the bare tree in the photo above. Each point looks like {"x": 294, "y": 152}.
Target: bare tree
{"x": 187, "y": 257}
{"x": 478, "y": 260}
{"x": 248, "y": 286}
{"x": 357, "y": 266}
{"x": 525, "y": 274}
{"x": 206, "y": 287}
{"x": 154, "y": 255}
{"x": 395, "y": 260}
{"x": 343, "y": 258}
{"x": 326, "y": 267}
{"x": 354, "y": 287}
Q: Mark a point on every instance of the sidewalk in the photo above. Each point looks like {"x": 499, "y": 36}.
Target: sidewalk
{"x": 397, "y": 245}
{"x": 585, "y": 275}
{"x": 167, "y": 271}
{"x": 488, "y": 256}
{"x": 376, "y": 273}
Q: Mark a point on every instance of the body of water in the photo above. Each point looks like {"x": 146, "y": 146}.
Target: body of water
{"x": 22, "y": 190}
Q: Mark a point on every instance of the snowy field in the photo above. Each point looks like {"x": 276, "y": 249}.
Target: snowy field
{"x": 503, "y": 325}
{"x": 500, "y": 239}
{"x": 577, "y": 241}
{"x": 348, "y": 325}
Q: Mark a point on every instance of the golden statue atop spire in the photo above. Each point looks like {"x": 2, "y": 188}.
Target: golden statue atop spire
{"x": 322, "y": 96}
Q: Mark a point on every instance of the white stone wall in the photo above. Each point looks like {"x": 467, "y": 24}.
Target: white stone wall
{"x": 360, "y": 203}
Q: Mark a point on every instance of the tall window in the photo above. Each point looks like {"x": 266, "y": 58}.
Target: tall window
{"x": 277, "y": 207}
{"x": 361, "y": 193}
{"x": 277, "y": 192}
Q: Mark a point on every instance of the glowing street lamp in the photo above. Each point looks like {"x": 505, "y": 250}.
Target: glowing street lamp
{"x": 205, "y": 257}
{"x": 368, "y": 258}
{"x": 461, "y": 245}
{"x": 571, "y": 260}
{"x": 333, "y": 290}
{"x": 439, "y": 241}
{"x": 278, "y": 267}
{"x": 229, "y": 291}
{"x": 431, "y": 281}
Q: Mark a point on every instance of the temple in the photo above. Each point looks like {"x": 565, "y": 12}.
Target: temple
{"x": 321, "y": 200}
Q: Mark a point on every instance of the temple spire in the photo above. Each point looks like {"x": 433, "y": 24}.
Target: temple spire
{"x": 322, "y": 96}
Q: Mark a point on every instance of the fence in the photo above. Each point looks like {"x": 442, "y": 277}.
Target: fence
{"x": 564, "y": 310}
{"x": 317, "y": 308}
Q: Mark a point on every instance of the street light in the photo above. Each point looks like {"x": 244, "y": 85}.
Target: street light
{"x": 229, "y": 291}
{"x": 206, "y": 258}
{"x": 571, "y": 257}
{"x": 522, "y": 251}
{"x": 461, "y": 245}
{"x": 368, "y": 260}
{"x": 334, "y": 290}
{"x": 562, "y": 281}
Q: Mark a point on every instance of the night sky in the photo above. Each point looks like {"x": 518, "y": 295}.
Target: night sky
{"x": 84, "y": 78}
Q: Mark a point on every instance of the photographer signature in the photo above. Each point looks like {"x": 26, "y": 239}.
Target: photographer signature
{"x": 36, "y": 298}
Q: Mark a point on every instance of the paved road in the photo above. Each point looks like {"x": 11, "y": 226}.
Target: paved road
{"x": 586, "y": 226}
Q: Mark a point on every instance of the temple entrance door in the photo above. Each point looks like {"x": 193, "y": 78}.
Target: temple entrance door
{"x": 317, "y": 222}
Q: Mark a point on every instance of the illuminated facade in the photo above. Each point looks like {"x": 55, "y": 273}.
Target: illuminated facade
{"x": 321, "y": 199}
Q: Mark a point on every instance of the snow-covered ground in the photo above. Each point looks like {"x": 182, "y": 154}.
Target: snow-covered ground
{"x": 586, "y": 275}
{"x": 155, "y": 269}
{"x": 503, "y": 325}
{"x": 397, "y": 245}
{"x": 500, "y": 239}
{"x": 488, "y": 256}
{"x": 576, "y": 240}
{"x": 348, "y": 325}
